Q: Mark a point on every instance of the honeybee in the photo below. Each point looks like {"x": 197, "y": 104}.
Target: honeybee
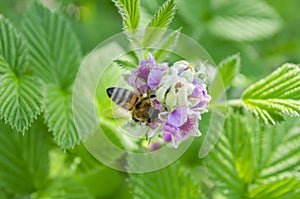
{"x": 141, "y": 107}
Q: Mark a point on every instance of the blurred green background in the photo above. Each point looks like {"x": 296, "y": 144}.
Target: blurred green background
{"x": 262, "y": 48}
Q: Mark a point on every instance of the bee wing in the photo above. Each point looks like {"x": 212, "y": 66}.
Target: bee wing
{"x": 115, "y": 112}
{"x": 135, "y": 130}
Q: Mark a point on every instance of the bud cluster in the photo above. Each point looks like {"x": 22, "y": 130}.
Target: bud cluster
{"x": 180, "y": 97}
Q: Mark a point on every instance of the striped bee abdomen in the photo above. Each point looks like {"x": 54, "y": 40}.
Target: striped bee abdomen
{"x": 122, "y": 97}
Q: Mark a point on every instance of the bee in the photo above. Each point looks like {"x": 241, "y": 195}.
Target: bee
{"x": 141, "y": 107}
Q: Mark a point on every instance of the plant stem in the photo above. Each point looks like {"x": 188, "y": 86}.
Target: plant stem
{"x": 234, "y": 102}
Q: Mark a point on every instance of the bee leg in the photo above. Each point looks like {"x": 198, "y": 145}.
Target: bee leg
{"x": 134, "y": 119}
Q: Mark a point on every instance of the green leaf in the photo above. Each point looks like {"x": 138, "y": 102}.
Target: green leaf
{"x": 164, "y": 16}
{"x": 174, "y": 181}
{"x": 286, "y": 188}
{"x": 21, "y": 94}
{"x": 24, "y": 159}
{"x": 102, "y": 182}
{"x": 3, "y": 194}
{"x": 54, "y": 50}
{"x": 125, "y": 64}
{"x": 159, "y": 23}
{"x": 12, "y": 47}
{"x": 277, "y": 152}
{"x": 55, "y": 57}
{"x": 59, "y": 117}
{"x": 81, "y": 159}
{"x": 228, "y": 69}
{"x": 276, "y": 96}
{"x": 229, "y": 164}
{"x": 65, "y": 188}
{"x": 245, "y": 21}
{"x": 213, "y": 132}
{"x": 20, "y": 100}
{"x": 253, "y": 161}
{"x": 167, "y": 46}
{"x": 130, "y": 12}
{"x": 109, "y": 129}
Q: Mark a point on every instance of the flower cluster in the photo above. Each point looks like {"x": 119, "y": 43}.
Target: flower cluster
{"x": 180, "y": 97}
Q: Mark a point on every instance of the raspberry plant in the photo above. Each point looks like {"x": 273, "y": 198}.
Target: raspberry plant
{"x": 256, "y": 155}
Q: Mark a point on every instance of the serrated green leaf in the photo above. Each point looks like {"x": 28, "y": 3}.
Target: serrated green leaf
{"x": 228, "y": 68}
{"x": 252, "y": 161}
{"x": 24, "y": 159}
{"x": 59, "y": 117}
{"x": 245, "y": 21}
{"x": 229, "y": 164}
{"x": 12, "y": 47}
{"x": 167, "y": 46}
{"x": 66, "y": 188}
{"x": 276, "y": 96}
{"x": 54, "y": 51}
{"x": 125, "y": 64}
{"x": 164, "y": 16}
{"x": 281, "y": 189}
{"x": 174, "y": 181}
{"x": 128, "y": 61}
{"x": 278, "y": 158}
{"x": 20, "y": 99}
{"x": 159, "y": 23}
{"x": 21, "y": 95}
{"x": 130, "y": 12}
{"x": 54, "y": 55}
{"x": 278, "y": 153}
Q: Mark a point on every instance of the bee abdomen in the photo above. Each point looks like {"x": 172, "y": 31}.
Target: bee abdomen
{"x": 122, "y": 97}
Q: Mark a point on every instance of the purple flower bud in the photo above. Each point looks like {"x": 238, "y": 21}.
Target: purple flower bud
{"x": 162, "y": 67}
{"x": 197, "y": 92}
{"x": 190, "y": 125}
{"x": 177, "y": 117}
{"x": 154, "y": 78}
{"x": 147, "y": 75}
{"x": 154, "y": 146}
{"x": 150, "y": 63}
{"x": 170, "y": 132}
{"x": 141, "y": 86}
{"x": 200, "y": 89}
{"x": 167, "y": 136}
{"x": 172, "y": 129}
{"x": 143, "y": 72}
{"x": 132, "y": 80}
{"x": 157, "y": 105}
{"x": 204, "y": 102}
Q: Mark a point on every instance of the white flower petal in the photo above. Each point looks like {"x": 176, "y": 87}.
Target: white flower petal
{"x": 171, "y": 100}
